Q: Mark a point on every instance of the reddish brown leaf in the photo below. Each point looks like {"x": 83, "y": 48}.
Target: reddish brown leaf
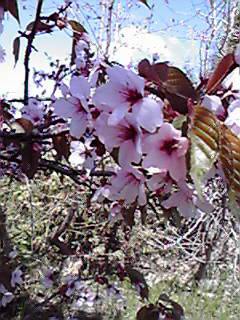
{"x": 177, "y": 309}
{"x": 230, "y": 158}
{"x": 156, "y": 73}
{"x": 145, "y": 3}
{"x": 41, "y": 27}
{"x": 22, "y": 125}
{"x": 138, "y": 280}
{"x": 224, "y": 67}
{"x": 12, "y": 7}
{"x": 62, "y": 146}
{"x": 16, "y": 49}
{"x": 64, "y": 248}
{"x": 78, "y": 30}
{"x": 61, "y": 23}
{"x": 30, "y": 159}
{"x": 53, "y": 17}
{"x": 149, "y": 312}
{"x": 77, "y": 27}
{"x": 178, "y": 90}
{"x": 172, "y": 84}
{"x": 5, "y": 115}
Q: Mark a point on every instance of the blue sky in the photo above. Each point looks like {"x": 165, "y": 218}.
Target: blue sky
{"x": 143, "y": 33}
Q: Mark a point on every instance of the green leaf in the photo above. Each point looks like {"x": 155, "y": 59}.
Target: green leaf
{"x": 202, "y": 159}
{"x": 178, "y": 121}
{"x": 204, "y": 139}
{"x": 16, "y": 49}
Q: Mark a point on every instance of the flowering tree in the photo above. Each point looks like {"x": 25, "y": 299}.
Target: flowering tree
{"x": 131, "y": 138}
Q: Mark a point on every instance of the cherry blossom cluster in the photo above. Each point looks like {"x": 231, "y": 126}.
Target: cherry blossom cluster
{"x": 151, "y": 152}
{"x": 14, "y": 279}
{"x": 113, "y": 131}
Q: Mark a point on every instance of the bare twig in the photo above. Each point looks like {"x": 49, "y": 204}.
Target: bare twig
{"x": 29, "y": 50}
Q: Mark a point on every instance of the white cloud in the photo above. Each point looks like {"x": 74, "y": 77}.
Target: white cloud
{"x": 135, "y": 43}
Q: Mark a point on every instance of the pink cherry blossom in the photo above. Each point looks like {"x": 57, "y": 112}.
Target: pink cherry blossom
{"x": 115, "y": 212}
{"x": 128, "y": 185}
{"x": 233, "y": 121}
{"x": 124, "y": 93}
{"x": 232, "y": 81}
{"x": 126, "y": 135}
{"x": 160, "y": 182}
{"x": 33, "y": 111}
{"x": 16, "y": 277}
{"x": 81, "y": 56}
{"x": 82, "y": 154}
{"x": 75, "y": 106}
{"x": 187, "y": 202}
{"x": 166, "y": 150}
{"x": 72, "y": 286}
{"x": 85, "y": 298}
{"x": 214, "y": 104}
{"x": 47, "y": 278}
{"x": 7, "y": 296}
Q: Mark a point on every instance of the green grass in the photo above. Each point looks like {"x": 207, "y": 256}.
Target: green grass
{"x": 198, "y": 303}
{"x": 48, "y": 204}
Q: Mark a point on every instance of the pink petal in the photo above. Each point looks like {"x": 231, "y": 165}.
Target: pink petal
{"x": 213, "y": 103}
{"x": 152, "y": 160}
{"x": 167, "y": 131}
{"x": 233, "y": 105}
{"x": 237, "y": 54}
{"x": 129, "y": 193}
{"x": 78, "y": 125}
{"x": 174, "y": 200}
{"x": 177, "y": 168}
{"x": 142, "y": 199}
{"x": 108, "y": 135}
{"x": 148, "y": 114}
{"x": 79, "y": 87}
{"x": 64, "y": 108}
{"x": 109, "y": 95}
{"x": 117, "y": 115}
{"x": 126, "y": 78}
{"x": 187, "y": 209}
{"x": 128, "y": 154}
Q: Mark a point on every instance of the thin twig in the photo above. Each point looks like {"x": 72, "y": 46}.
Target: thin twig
{"x": 29, "y": 50}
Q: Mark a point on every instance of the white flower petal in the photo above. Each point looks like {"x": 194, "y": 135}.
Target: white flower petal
{"x": 79, "y": 87}
{"x": 64, "y": 108}
{"x": 117, "y": 115}
{"x": 78, "y": 125}
{"x": 148, "y": 114}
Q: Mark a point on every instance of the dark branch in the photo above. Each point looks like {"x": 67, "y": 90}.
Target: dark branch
{"x": 29, "y": 50}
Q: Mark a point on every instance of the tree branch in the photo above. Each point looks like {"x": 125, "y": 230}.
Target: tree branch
{"x": 29, "y": 50}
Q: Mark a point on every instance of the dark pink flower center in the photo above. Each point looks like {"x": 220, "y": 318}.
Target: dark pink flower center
{"x": 169, "y": 146}
{"x": 132, "y": 179}
{"x": 128, "y": 133}
{"x": 80, "y": 107}
{"x": 133, "y": 96}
